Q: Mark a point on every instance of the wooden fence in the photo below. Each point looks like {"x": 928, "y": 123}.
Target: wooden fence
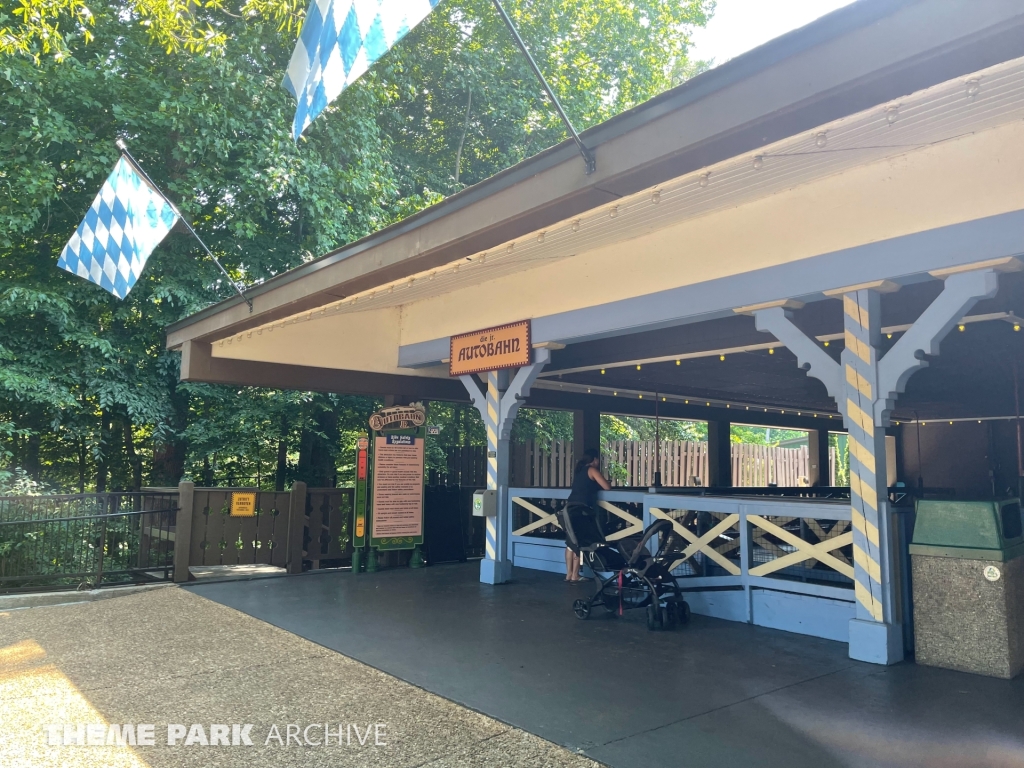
{"x": 287, "y": 528}
{"x": 549, "y": 464}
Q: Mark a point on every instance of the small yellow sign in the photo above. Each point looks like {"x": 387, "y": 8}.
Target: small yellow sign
{"x": 360, "y": 526}
{"x": 243, "y": 504}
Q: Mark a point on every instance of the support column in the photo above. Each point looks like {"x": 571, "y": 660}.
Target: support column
{"x": 875, "y": 634}
{"x": 586, "y": 431}
{"x": 817, "y": 457}
{"x": 498, "y": 408}
{"x": 719, "y": 454}
{"x": 865, "y": 387}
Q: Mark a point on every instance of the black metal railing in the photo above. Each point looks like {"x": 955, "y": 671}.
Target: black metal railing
{"x": 86, "y": 540}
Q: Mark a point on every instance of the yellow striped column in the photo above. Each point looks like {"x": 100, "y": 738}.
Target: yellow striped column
{"x": 875, "y": 634}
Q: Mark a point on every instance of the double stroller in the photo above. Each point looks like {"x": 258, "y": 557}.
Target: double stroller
{"x": 630, "y": 573}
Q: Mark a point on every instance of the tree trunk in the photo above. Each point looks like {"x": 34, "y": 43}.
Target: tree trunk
{"x": 282, "y": 464}
{"x": 318, "y": 448}
{"x": 133, "y": 457}
{"x": 82, "y": 459}
{"x": 169, "y": 456}
{"x": 32, "y": 463}
{"x": 103, "y": 462}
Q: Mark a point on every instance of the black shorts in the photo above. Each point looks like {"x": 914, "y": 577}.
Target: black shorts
{"x": 584, "y": 526}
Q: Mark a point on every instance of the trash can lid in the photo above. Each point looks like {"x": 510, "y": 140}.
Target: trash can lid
{"x": 986, "y": 530}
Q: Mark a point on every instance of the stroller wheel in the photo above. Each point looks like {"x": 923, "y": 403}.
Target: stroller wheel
{"x": 653, "y": 617}
{"x": 669, "y": 616}
{"x": 582, "y": 609}
{"x": 683, "y": 612}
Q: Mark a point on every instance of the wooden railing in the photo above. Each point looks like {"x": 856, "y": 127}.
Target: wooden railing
{"x": 782, "y": 562}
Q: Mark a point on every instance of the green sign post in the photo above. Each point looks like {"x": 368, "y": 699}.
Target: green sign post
{"x": 359, "y": 506}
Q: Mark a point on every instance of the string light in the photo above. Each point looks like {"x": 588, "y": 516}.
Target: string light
{"x": 826, "y": 343}
{"x": 576, "y": 225}
{"x": 758, "y": 163}
{"x": 638, "y": 367}
{"x": 821, "y": 139}
{"x": 704, "y": 178}
{"x": 656, "y": 196}
{"x": 771, "y": 350}
{"x": 961, "y": 327}
{"x": 679, "y": 362}
{"x": 602, "y": 371}
{"x": 722, "y": 358}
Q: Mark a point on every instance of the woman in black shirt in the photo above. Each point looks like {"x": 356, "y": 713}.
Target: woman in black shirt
{"x": 587, "y": 480}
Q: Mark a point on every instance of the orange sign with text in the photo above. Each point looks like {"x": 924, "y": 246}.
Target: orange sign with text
{"x": 506, "y": 346}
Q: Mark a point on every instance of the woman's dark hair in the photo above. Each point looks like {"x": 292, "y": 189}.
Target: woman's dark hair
{"x": 588, "y": 456}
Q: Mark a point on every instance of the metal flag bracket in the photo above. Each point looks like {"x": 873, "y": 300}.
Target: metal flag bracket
{"x": 588, "y": 154}
{"x": 138, "y": 168}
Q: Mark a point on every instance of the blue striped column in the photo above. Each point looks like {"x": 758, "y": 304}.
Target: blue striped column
{"x": 496, "y": 567}
{"x": 872, "y": 634}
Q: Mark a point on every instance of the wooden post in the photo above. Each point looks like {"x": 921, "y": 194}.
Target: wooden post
{"x": 296, "y": 524}
{"x": 183, "y": 531}
{"x": 818, "y": 458}
{"x": 719, "y": 454}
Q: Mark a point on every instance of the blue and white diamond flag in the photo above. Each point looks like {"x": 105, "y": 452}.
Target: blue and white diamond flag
{"x": 340, "y": 40}
{"x": 127, "y": 220}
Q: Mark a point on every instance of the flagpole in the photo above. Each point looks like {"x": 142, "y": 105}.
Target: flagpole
{"x": 588, "y": 154}
{"x": 135, "y": 164}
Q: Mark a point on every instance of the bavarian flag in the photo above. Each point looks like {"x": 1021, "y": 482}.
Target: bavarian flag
{"x": 340, "y": 40}
{"x": 127, "y": 220}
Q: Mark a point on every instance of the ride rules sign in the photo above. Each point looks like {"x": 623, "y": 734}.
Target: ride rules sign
{"x": 506, "y": 346}
{"x": 397, "y": 489}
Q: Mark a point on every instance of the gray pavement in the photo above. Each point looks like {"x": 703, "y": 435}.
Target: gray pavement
{"x": 169, "y": 656}
{"x": 716, "y": 694}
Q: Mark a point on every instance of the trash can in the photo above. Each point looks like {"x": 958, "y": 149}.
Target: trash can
{"x": 967, "y": 559}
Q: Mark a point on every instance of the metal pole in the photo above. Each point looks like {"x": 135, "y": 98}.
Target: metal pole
{"x": 134, "y": 163}
{"x": 588, "y": 155}
{"x": 1016, "y": 403}
{"x": 657, "y": 444}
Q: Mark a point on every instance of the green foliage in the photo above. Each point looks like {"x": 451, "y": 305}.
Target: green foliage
{"x": 85, "y": 382}
{"x": 639, "y": 428}
{"x": 543, "y": 425}
{"x": 743, "y": 433}
{"x": 840, "y": 444}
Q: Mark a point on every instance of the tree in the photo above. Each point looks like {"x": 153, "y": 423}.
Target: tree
{"x": 91, "y": 395}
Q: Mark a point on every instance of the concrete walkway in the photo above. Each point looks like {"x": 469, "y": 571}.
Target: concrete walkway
{"x": 172, "y": 657}
{"x": 716, "y": 694}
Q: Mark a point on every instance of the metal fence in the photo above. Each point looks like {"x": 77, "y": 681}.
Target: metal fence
{"x": 86, "y": 539}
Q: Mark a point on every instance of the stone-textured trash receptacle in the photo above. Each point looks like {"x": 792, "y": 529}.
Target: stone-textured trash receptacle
{"x": 968, "y": 576}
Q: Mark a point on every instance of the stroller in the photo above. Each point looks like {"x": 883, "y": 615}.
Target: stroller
{"x": 628, "y": 575}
